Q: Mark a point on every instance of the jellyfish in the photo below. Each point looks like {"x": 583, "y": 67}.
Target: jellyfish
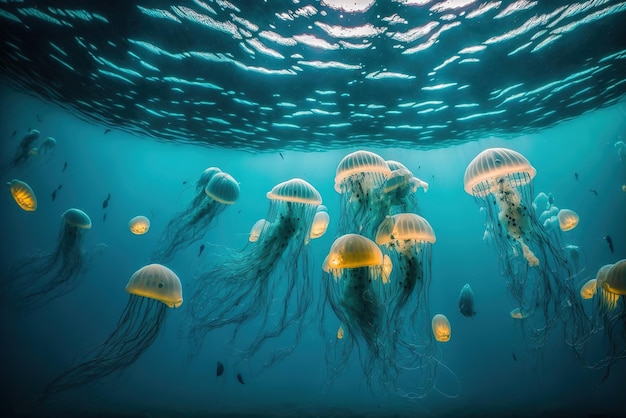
{"x": 588, "y": 290}
{"x": 38, "y": 279}
{"x": 320, "y": 224}
{"x": 187, "y": 227}
{"x": 399, "y": 189}
{"x": 466, "y": 301}
{"x": 441, "y": 328}
{"x": 568, "y": 219}
{"x": 621, "y": 151}
{"x": 536, "y": 270}
{"x": 257, "y": 229}
{"x": 139, "y": 225}
{"x": 23, "y": 195}
{"x": 360, "y": 179}
{"x": 153, "y": 289}
{"x": 517, "y": 313}
{"x": 24, "y": 150}
{"x": 353, "y": 292}
{"x": 268, "y": 279}
{"x": 46, "y": 149}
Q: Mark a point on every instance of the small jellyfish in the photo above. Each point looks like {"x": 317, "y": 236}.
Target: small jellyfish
{"x": 621, "y": 151}
{"x": 47, "y": 148}
{"x": 153, "y": 289}
{"x": 568, "y": 219}
{"x": 257, "y": 229}
{"x": 588, "y": 290}
{"x": 139, "y": 225}
{"x": 320, "y": 224}
{"x": 441, "y": 328}
{"x": 23, "y": 195}
{"x": 215, "y": 191}
{"x": 39, "y": 279}
{"x": 466, "y": 301}
{"x": 517, "y": 313}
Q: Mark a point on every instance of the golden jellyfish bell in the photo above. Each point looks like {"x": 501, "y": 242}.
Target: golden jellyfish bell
{"x": 403, "y": 227}
{"x": 353, "y": 251}
{"x": 320, "y": 224}
{"x": 568, "y": 219}
{"x": 340, "y": 332}
{"x": 588, "y": 290}
{"x": 157, "y": 282}
{"x": 257, "y": 230}
{"x": 491, "y": 165}
{"x": 608, "y": 299}
{"x": 23, "y": 195}
{"x": 518, "y": 314}
{"x": 139, "y": 225}
{"x": 441, "y": 328}
{"x": 615, "y": 280}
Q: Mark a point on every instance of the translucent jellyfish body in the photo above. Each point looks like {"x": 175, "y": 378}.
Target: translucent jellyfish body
{"x": 152, "y": 288}
{"x": 23, "y": 195}
{"x": 270, "y": 276}
{"x": 139, "y": 225}
{"x": 536, "y": 270}
{"x": 39, "y": 279}
{"x": 215, "y": 191}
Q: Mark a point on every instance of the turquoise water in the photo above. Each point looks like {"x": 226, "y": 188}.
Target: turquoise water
{"x": 497, "y": 375}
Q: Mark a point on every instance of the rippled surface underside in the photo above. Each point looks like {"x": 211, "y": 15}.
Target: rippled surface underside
{"x": 311, "y": 75}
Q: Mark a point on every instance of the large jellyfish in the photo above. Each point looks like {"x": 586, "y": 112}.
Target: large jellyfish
{"x": 536, "y": 270}
{"x": 607, "y": 291}
{"x": 353, "y": 289}
{"x": 38, "y": 279}
{"x": 268, "y": 280}
{"x": 409, "y": 238}
{"x": 215, "y": 190}
{"x": 152, "y": 288}
{"x": 360, "y": 178}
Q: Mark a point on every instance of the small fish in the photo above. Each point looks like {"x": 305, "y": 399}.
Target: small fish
{"x": 106, "y": 201}
{"x": 106, "y": 131}
{"x": 240, "y": 379}
{"x": 199, "y": 254}
{"x": 550, "y": 199}
{"x": 576, "y": 175}
{"x": 54, "y": 194}
{"x": 514, "y": 357}
{"x": 594, "y": 191}
{"x": 64, "y": 167}
{"x": 609, "y": 241}
{"x": 184, "y": 182}
{"x": 281, "y": 155}
{"x": 220, "y": 369}
{"x": 104, "y": 217}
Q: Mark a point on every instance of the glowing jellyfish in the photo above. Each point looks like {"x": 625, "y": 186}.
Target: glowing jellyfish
{"x": 320, "y": 224}
{"x": 441, "y": 328}
{"x": 606, "y": 300}
{"x": 189, "y": 226}
{"x": 25, "y": 150}
{"x": 588, "y": 290}
{"x": 269, "y": 279}
{"x": 517, "y": 313}
{"x": 536, "y": 270}
{"x": 466, "y": 301}
{"x": 139, "y": 225}
{"x": 153, "y": 289}
{"x": 360, "y": 179}
{"x": 39, "y": 279}
{"x": 257, "y": 229}
{"x": 399, "y": 189}
{"x": 23, "y": 195}
{"x": 568, "y": 219}
{"x": 353, "y": 292}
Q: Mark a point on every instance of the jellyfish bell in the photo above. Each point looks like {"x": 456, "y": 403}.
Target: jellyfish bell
{"x": 223, "y": 188}
{"x": 139, "y": 225}
{"x": 441, "y": 328}
{"x": 76, "y": 218}
{"x": 541, "y": 203}
{"x": 152, "y": 288}
{"x": 257, "y": 229}
{"x": 568, "y": 219}
{"x": 205, "y": 177}
{"x": 320, "y": 224}
{"x": 607, "y": 299}
{"x": 588, "y": 290}
{"x": 517, "y": 313}
{"x": 615, "y": 279}
{"x": 23, "y": 195}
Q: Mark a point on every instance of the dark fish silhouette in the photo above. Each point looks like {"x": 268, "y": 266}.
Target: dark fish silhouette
{"x": 106, "y": 201}
{"x": 199, "y": 254}
{"x": 106, "y": 131}
{"x": 54, "y": 193}
{"x": 576, "y": 175}
{"x": 609, "y": 241}
{"x": 594, "y": 191}
{"x": 104, "y": 217}
{"x": 550, "y": 199}
{"x": 281, "y": 155}
{"x": 64, "y": 167}
{"x": 240, "y": 379}
{"x": 466, "y": 302}
{"x": 220, "y": 369}
{"x": 514, "y": 357}
{"x": 184, "y": 182}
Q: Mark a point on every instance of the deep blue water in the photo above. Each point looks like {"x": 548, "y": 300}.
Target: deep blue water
{"x": 497, "y": 375}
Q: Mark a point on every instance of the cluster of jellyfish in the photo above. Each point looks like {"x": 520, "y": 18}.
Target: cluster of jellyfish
{"x": 31, "y": 147}
{"x": 377, "y": 280}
